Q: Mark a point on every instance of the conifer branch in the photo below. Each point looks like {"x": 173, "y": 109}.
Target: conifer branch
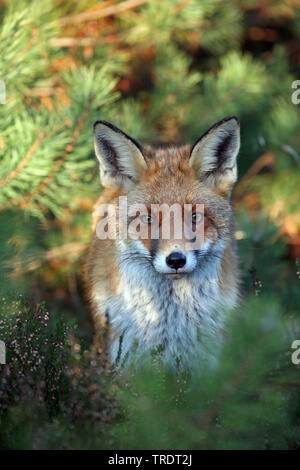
{"x": 14, "y": 173}
{"x": 59, "y": 163}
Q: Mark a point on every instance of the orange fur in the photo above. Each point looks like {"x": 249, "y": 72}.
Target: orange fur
{"x": 169, "y": 178}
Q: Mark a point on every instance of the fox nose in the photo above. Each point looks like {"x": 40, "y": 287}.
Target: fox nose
{"x": 176, "y": 260}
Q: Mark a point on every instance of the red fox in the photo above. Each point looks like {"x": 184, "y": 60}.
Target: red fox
{"x": 157, "y": 293}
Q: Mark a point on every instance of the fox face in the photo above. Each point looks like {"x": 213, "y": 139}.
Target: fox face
{"x": 178, "y": 213}
{"x": 162, "y": 265}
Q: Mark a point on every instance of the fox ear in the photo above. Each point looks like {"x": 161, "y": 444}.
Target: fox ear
{"x": 121, "y": 159}
{"x": 213, "y": 156}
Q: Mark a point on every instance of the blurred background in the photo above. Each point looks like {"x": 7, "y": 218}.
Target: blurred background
{"x": 163, "y": 71}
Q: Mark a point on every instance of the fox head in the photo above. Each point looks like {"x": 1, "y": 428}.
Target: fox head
{"x": 198, "y": 177}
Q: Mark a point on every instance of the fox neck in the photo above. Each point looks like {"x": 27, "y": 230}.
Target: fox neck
{"x": 202, "y": 286}
{"x": 162, "y": 311}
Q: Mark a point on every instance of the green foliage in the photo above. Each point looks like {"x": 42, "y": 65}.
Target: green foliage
{"x": 47, "y": 386}
{"x": 163, "y": 72}
{"x": 24, "y": 56}
{"x": 238, "y": 405}
{"x": 56, "y": 395}
{"x": 160, "y": 22}
{"x": 54, "y": 148}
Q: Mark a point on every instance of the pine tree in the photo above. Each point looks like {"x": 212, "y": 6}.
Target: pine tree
{"x": 163, "y": 71}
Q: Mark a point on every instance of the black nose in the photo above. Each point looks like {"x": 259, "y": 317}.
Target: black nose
{"x": 176, "y": 260}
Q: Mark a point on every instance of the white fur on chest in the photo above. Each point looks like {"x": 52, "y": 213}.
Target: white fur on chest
{"x": 153, "y": 311}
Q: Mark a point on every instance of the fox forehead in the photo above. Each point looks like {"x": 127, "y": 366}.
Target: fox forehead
{"x": 170, "y": 179}
{"x": 170, "y": 156}
{"x": 169, "y": 163}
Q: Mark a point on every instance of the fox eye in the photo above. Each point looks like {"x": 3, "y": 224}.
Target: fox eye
{"x": 197, "y": 217}
{"x": 146, "y": 219}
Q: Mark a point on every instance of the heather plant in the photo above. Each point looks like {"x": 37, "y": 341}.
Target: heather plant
{"x": 47, "y": 378}
{"x": 35, "y": 357}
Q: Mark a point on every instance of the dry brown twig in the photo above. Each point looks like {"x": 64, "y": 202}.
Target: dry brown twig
{"x": 104, "y": 12}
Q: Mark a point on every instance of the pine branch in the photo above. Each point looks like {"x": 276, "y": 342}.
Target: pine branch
{"x": 23, "y": 162}
{"x": 59, "y": 163}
